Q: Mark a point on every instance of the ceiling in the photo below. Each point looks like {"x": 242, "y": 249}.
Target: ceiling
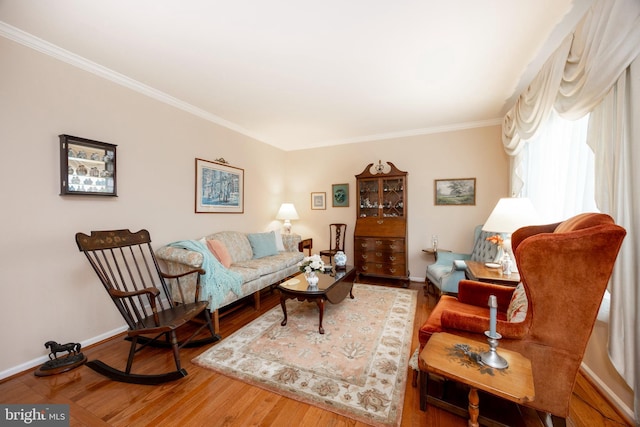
{"x": 298, "y": 73}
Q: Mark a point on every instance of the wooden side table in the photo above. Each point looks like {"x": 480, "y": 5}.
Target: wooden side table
{"x": 434, "y": 253}
{"x": 305, "y": 244}
{"x": 515, "y": 383}
{"x": 480, "y": 272}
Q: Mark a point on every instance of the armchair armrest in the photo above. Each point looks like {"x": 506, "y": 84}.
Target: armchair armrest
{"x": 449, "y": 257}
{"x": 478, "y": 323}
{"x": 152, "y": 292}
{"x": 179, "y": 288}
{"x": 477, "y": 294}
{"x": 186, "y": 273}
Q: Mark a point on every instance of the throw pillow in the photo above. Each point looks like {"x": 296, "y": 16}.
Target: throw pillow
{"x": 219, "y": 250}
{"x": 262, "y": 244}
{"x": 517, "y": 310}
{"x": 279, "y": 242}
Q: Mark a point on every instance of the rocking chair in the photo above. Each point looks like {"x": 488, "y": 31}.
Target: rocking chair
{"x": 128, "y": 269}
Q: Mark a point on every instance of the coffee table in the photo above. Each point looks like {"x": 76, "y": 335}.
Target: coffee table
{"x": 514, "y": 383}
{"x": 333, "y": 287}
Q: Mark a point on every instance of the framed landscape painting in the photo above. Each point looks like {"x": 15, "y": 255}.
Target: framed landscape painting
{"x": 455, "y": 191}
{"x": 219, "y": 188}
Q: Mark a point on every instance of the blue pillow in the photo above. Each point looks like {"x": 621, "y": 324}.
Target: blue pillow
{"x": 263, "y": 244}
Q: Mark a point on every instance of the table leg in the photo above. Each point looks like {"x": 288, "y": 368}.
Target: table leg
{"x": 474, "y": 407}
{"x": 284, "y": 309}
{"x": 320, "y": 302}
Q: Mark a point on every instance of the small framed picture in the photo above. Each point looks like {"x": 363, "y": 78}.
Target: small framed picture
{"x": 318, "y": 200}
{"x": 457, "y": 192}
{"x": 340, "y": 194}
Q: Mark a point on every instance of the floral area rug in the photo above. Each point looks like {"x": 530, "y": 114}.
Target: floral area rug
{"x": 357, "y": 368}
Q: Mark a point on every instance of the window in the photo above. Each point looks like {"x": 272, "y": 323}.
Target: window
{"x": 558, "y": 169}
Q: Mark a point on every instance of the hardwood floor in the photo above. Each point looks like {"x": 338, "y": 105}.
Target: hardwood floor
{"x": 207, "y": 398}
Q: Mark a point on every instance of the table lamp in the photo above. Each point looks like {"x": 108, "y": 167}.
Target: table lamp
{"x": 287, "y": 212}
{"x": 508, "y": 215}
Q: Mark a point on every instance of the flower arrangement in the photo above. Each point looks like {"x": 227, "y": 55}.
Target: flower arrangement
{"x": 311, "y": 263}
{"x": 496, "y": 240}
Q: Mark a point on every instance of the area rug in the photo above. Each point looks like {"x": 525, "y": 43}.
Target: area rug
{"x": 357, "y": 368}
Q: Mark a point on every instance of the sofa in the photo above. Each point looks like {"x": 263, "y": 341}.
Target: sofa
{"x": 449, "y": 268}
{"x": 257, "y": 260}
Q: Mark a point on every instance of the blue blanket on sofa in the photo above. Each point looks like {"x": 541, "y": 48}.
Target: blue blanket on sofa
{"x": 217, "y": 280}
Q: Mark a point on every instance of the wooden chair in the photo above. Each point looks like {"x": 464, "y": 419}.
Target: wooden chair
{"x": 337, "y": 233}
{"x": 127, "y": 267}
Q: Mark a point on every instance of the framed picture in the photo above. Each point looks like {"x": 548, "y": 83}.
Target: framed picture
{"x": 87, "y": 167}
{"x": 459, "y": 192}
{"x": 340, "y": 194}
{"x": 318, "y": 200}
{"x": 219, "y": 188}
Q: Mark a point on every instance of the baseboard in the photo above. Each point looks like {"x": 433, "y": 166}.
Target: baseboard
{"x": 40, "y": 360}
{"x": 608, "y": 394}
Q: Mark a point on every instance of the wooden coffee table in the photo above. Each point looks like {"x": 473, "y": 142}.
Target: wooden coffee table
{"x": 514, "y": 383}
{"x": 333, "y": 287}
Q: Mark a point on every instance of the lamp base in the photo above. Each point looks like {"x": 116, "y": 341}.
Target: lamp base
{"x": 287, "y": 226}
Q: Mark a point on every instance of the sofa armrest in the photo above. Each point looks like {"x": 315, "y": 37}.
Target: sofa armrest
{"x": 181, "y": 256}
{"x": 291, "y": 242}
{"x": 477, "y": 293}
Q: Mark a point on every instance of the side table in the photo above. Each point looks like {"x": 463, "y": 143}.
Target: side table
{"x": 441, "y": 355}
{"x": 305, "y": 244}
{"x": 480, "y": 272}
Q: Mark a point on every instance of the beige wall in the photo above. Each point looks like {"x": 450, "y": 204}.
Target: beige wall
{"x": 52, "y": 291}
{"x": 474, "y": 153}
{"x": 49, "y": 290}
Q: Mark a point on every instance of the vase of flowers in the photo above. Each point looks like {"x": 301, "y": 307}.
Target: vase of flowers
{"x": 310, "y": 266}
{"x": 499, "y": 242}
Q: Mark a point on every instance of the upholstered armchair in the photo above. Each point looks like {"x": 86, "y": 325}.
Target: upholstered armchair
{"x": 564, "y": 270}
{"x": 449, "y": 268}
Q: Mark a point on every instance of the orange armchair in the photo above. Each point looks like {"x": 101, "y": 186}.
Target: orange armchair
{"x": 564, "y": 269}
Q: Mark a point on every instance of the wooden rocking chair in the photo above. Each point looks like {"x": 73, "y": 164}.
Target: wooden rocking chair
{"x": 128, "y": 269}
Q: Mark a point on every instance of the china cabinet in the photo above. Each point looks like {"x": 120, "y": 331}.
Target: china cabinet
{"x": 87, "y": 167}
{"x": 380, "y": 237}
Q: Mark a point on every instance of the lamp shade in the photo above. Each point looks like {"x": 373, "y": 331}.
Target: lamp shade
{"x": 510, "y": 214}
{"x": 287, "y": 211}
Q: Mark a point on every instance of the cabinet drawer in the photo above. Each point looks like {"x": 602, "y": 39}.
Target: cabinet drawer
{"x": 385, "y": 257}
{"x": 385, "y": 245}
{"x": 382, "y": 269}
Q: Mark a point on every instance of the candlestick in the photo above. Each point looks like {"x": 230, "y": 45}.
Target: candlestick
{"x": 493, "y": 308}
{"x": 491, "y": 357}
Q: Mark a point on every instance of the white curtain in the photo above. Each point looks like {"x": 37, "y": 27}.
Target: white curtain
{"x": 593, "y": 63}
{"x": 614, "y": 135}
{"x": 566, "y": 186}
{"x": 577, "y": 76}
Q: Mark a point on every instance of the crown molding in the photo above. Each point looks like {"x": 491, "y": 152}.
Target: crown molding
{"x": 416, "y": 132}
{"x": 12, "y": 33}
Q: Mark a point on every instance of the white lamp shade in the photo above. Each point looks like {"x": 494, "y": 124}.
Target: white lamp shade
{"x": 510, "y": 214}
{"x": 287, "y": 212}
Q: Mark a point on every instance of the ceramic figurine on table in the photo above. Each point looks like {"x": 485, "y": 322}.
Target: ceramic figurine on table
{"x": 341, "y": 260}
